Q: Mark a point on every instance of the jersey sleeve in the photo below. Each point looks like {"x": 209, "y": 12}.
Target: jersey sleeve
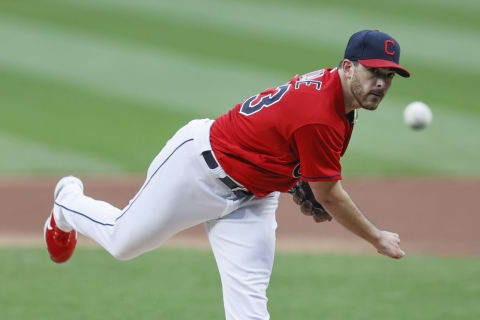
{"x": 319, "y": 148}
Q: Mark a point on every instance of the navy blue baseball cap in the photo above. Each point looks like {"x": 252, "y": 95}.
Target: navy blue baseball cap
{"x": 375, "y": 49}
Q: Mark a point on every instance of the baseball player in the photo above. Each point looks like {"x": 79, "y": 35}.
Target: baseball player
{"x": 228, "y": 173}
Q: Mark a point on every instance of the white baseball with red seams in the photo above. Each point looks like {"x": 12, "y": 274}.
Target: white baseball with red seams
{"x": 417, "y": 115}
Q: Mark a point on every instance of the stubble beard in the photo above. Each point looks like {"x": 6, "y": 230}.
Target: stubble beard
{"x": 361, "y": 96}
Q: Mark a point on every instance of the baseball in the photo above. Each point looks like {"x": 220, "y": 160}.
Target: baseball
{"x": 417, "y": 115}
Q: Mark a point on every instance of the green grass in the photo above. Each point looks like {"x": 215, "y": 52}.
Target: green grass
{"x": 108, "y": 82}
{"x": 184, "y": 284}
{"x": 87, "y": 123}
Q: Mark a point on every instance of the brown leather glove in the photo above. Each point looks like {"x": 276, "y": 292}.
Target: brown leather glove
{"x": 303, "y": 196}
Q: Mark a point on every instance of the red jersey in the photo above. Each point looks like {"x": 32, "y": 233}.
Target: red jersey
{"x": 298, "y": 130}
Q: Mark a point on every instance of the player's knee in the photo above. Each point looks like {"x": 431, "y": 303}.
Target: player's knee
{"x": 122, "y": 253}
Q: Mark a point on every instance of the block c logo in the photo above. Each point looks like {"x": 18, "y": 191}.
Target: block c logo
{"x": 393, "y": 45}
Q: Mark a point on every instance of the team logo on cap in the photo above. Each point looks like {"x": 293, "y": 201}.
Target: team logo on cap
{"x": 392, "y": 46}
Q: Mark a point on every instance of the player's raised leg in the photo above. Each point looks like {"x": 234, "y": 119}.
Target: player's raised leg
{"x": 243, "y": 243}
{"x": 179, "y": 192}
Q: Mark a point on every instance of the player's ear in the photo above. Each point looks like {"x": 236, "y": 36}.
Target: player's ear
{"x": 348, "y": 68}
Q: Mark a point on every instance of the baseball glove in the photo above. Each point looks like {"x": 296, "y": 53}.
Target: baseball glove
{"x": 303, "y": 196}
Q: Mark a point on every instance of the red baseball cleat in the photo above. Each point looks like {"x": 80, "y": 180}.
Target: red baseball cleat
{"x": 60, "y": 244}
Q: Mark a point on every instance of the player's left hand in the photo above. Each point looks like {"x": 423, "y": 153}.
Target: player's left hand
{"x": 303, "y": 196}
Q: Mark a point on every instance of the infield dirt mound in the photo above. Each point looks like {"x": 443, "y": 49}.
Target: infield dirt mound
{"x": 432, "y": 216}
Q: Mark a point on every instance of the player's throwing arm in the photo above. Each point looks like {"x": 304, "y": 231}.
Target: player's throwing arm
{"x": 332, "y": 196}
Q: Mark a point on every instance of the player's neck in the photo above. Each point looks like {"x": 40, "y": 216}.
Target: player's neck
{"x": 349, "y": 100}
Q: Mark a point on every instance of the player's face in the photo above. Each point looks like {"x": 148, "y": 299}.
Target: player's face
{"x": 370, "y": 85}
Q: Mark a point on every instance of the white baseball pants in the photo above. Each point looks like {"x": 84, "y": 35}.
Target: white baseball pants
{"x": 180, "y": 191}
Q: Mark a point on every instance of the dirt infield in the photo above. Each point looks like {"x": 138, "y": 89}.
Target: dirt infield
{"x": 432, "y": 216}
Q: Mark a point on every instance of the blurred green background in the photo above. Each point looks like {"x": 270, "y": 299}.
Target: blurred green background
{"x": 99, "y": 86}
